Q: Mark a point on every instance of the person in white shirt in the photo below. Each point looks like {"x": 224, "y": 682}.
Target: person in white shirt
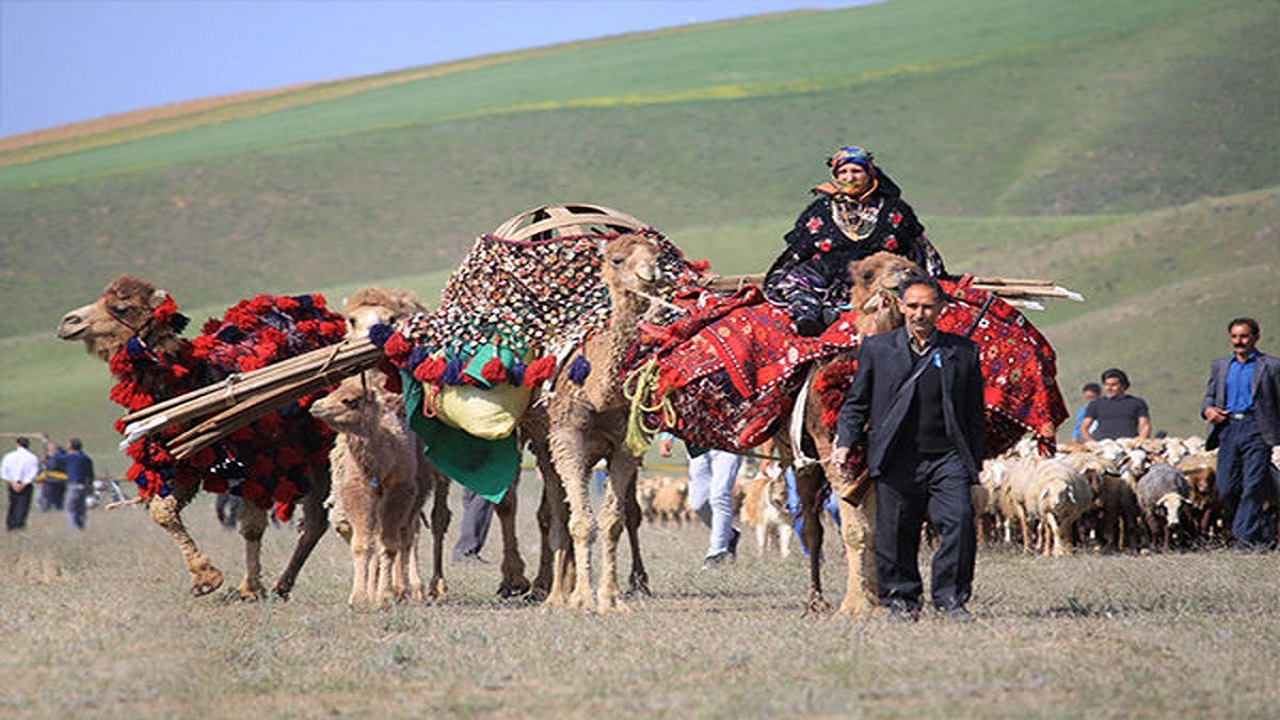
{"x": 19, "y": 469}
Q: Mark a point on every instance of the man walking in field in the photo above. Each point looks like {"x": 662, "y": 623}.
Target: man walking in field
{"x": 1242, "y": 405}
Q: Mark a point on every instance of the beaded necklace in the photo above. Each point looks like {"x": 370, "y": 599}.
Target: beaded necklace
{"x": 856, "y": 220}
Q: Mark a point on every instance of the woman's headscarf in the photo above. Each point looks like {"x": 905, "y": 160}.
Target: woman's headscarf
{"x": 858, "y": 156}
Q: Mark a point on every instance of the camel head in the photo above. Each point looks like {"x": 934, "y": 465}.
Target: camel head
{"x": 352, "y": 405}
{"x": 126, "y": 309}
{"x": 630, "y": 269}
{"x": 874, "y": 292}
{"x": 373, "y": 306}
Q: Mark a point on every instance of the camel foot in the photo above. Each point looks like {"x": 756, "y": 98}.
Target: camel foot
{"x": 818, "y": 605}
{"x": 518, "y": 587}
{"x": 206, "y": 581}
{"x": 637, "y": 585}
{"x": 437, "y": 590}
{"x": 612, "y": 604}
{"x": 859, "y": 608}
{"x": 247, "y": 592}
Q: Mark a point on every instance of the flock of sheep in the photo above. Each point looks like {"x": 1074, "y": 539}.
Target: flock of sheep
{"x": 1112, "y": 495}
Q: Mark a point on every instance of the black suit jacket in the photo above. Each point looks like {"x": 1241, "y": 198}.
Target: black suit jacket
{"x": 1266, "y": 396}
{"x": 870, "y": 417}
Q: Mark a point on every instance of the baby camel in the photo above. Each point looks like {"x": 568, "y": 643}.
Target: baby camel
{"x": 382, "y": 483}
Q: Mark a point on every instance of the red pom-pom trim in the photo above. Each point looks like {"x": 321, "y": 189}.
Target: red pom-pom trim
{"x": 494, "y": 371}
{"x": 539, "y": 370}
{"x": 397, "y": 349}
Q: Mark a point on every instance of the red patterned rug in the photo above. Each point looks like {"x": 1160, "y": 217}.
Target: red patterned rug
{"x": 730, "y": 371}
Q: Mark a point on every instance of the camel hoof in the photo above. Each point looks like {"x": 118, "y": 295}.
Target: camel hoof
{"x": 517, "y": 588}
{"x": 863, "y": 610}
{"x": 206, "y": 583}
{"x": 817, "y": 606}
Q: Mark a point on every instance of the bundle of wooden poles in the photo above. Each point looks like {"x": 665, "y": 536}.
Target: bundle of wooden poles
{"x": 1024, "y": 292}
{"x": 240, "y": 399}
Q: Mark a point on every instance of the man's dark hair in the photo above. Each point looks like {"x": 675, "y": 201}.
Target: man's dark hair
{"x": 1253, "y": 324}
{"x": 1092, "y": 387}
{"x": 920, "y": 279}
{"x": 23, "y": 442}
{"x": 1118, "y": 374}
{"x": 76, "y": 444}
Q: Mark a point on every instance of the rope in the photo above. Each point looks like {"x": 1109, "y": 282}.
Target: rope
{"x": 639, "y": 384}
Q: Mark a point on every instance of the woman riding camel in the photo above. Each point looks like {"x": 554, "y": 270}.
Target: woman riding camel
{"x": 857, "y": 213}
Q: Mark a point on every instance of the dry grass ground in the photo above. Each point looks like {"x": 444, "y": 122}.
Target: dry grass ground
{"x": 100, "y": 625}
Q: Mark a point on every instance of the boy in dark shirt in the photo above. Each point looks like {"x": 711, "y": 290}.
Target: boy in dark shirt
{"x": 1118, "y": 415}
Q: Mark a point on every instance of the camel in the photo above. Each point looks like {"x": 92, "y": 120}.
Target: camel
{"x": 577, "y": 424}
{"x": 135, "y": 328}
{"x": 873, "y": 293}
{"x": 373, "y": 306}
{"x": 381, "y": 481}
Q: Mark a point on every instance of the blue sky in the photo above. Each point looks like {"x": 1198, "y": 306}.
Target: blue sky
{"x": 63, "y": 61}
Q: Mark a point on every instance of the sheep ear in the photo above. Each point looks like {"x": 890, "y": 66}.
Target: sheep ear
{"x": 158, "y": 296}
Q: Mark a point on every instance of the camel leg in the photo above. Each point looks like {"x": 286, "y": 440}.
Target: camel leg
{"x": 417, "y": 591}
{"x": 811, "y": 486}
{"x": 167, "y": 513}
{"x": 396, "y": 509}
{"x": 514, "y": 583}
{"x": 573, "y": 470}
{"x": 858, "y": 532}
{"x": 314, "y": 523}
{"x": 638, "y": 581}
{"x": 549, "y": 542}
{"x": 363, "y": 565}
{"x": 622, "y": 475}
{"x": 440, "y": 517}
{"x": 253, "y": 523}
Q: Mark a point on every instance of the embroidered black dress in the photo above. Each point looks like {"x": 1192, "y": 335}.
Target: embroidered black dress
{"x": 811, "y": 279}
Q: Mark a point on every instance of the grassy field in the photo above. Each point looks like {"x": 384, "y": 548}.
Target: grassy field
{"x": 101, "y": 625}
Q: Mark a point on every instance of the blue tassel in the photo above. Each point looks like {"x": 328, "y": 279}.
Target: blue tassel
{"x": 416, "y": 356}
{"x": 231, "y": 335}
{"x": 515, "y": 373}
{"x": 378, "y": 334}
{"x": 453, "y": 372}
{"x": 579, "y": 369}
{"x": 135, "y": 348}
{"x": 305, "y": 301}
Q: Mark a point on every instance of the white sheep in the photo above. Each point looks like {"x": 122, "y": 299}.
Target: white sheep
{"x": 1059, "y": 494}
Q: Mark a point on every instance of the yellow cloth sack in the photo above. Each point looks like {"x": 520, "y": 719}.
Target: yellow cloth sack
{"x": 486, "y": 413}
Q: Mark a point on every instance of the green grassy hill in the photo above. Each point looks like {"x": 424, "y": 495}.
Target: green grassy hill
{"x": 1130, "y": 150}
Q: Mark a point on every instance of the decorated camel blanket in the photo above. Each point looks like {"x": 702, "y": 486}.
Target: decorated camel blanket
{"x": 726, "y": 375}
{"x": 264, "y": 462}
{"x": 723, "y": 376}
{"x": 508, "y": 315}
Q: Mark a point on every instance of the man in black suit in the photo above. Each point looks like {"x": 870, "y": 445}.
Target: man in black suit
{"x": 1242, "y": 405}
{"x": 916, "y": 405}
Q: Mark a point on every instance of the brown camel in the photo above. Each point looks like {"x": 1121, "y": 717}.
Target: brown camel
{"x": 131, "y": 313}
{"x": 874, "y": 293}
{"x": 574, "y": 426}
{"x": 381, "y": 482}
{"x": 372, "y": 306}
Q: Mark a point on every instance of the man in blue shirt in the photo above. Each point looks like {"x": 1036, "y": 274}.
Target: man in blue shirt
{"x": 1242, "y": 405}
{"x": 79, "y": 469}
{"x": 1090, "y": 391}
